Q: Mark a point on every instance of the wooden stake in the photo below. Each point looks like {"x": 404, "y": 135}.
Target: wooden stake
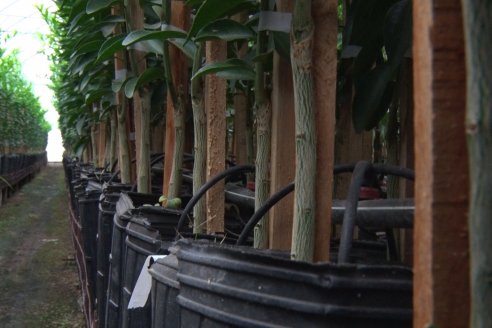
{"x": 283, "y": 146}
{"x": 179, "y": 68}
{"x": 441, "y": 268}
{"x": 215, "y": 105}
{"x": 325, "y": 80}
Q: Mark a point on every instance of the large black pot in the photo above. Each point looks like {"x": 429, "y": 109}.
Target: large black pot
{"x": 236, "y": 286}
{"x": 150, "y": 231}
{"x": 127, "y": 203}
{"x": 165, "y": 289}
{"x": 225, "y": 286}
{"x": 88, "y": 205}
{"x": 107, "y": 209}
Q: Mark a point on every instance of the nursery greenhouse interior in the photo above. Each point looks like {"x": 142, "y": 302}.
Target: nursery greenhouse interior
{"x": 254, "y": 163}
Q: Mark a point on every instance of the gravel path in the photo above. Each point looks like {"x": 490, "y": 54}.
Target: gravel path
{"x": 39, "y": 286}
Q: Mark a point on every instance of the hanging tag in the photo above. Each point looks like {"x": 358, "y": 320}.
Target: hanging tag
{"x": 275, "y": 21}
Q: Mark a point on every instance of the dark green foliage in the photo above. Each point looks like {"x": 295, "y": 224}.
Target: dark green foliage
{"x": 383, "y": 31}
{"x": 23, "y": 128}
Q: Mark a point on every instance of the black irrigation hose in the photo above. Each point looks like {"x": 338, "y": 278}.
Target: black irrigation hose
{"x": 361, "y": 169}
{"x": 351, "y": 210}
{"x": 275, "y": 198}
{"x": 158, "y": 158}
{"x": 258, "y": 215}
{"x": 338, "y": 169}
{"x": 209, "y": 184}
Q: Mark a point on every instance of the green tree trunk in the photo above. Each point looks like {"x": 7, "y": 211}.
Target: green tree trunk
{"x": 123, "y": 150}
{"x": 305, "y": 179}
{"x": 200, "y": 146}
{"x": 141, "y": 100}
{"x": 94, "y": 144}
{"x": 113, "y": 140}
{"x": 478, "y": 39}
{"x": 177, "y": 93}
{"x": 263, "y": 140}
{"x": 120, "y": 67}
{"x": 143, "y": 156}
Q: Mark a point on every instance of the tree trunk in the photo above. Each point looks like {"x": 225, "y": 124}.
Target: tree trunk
{"x": 305, "y": 180}
{"x": 94, "y": 144}
{"x": 141, "y": 101}
{"x": 250, "y": 132}
{"x": 124, "y": 162}
{"x": 179, "y": 133}
{"x": 478, "y": 36}
{"x": 120, "y": 69}
{"x": 263, "y": 140}
{"x": 177, "y": 79}
{"x": 200, "y": 143}
{"x": 113, "y": 140}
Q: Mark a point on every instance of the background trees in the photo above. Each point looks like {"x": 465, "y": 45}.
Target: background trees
{"x": 23, "y": 128}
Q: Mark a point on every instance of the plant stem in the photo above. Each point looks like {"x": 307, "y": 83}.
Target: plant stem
{"x": 263, "y": 139}
{"x": 478, "y": 36}
{"x": 178, "y": 100}
{"x": 200, "y": 127}
{"x": 305, "y": 179}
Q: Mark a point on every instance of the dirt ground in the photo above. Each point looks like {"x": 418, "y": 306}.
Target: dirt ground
{"x": 39, "y": 286}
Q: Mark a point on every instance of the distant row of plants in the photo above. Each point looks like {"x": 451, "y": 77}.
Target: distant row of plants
{"x": 23, "y": 128}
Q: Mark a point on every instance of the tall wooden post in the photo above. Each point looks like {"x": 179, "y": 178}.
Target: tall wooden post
{"x": 215, "y": 105}
{"x": 441, "y": 269}
{"x": 179, "y": 69}
{"x": 325, "y": 78}
{"x": 283, "y": 146}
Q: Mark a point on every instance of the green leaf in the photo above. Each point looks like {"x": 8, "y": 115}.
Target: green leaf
{"x": 211, "y": 10}
{"x": 117, "y": 85}
{"x": 94, "y": 95}
{"x": 398, "y": 30}
{"x": 374, "y": 88}
{"x": 96, "y": 5}
{"x": 150, "y": 74}
{"x": 85, "y": 82}
{"x": 194, "y": 3}
{"x": 225, "y": 29}
{"x": 187, "y": 47}
{"x": 80, "y": 125}
{"x": 77, "y": 8}
{"x": 231, "y": 69}
{"x": 110, "y": 47}
{"x": 80, "y": 146}
{"x": 281, "y": 42}
{"x": 107, "y": 26}
{"x": 152, "y": 46}
{"x": 138, "y": 36}
{"x": 82, "y": 63}
{"x": 90, "y": 46}
{"x": 373, "y": 94}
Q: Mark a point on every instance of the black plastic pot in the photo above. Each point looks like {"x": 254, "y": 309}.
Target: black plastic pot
{"x": 107, "y": 209}
{"x": 225, "y": 286}
{"x": 164, "y": 308}
{"x": 127, "y": 203}
{"x": 150, "y": 231}
{"x": 165, "y": 289}
{"x": 88, "y": 204}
